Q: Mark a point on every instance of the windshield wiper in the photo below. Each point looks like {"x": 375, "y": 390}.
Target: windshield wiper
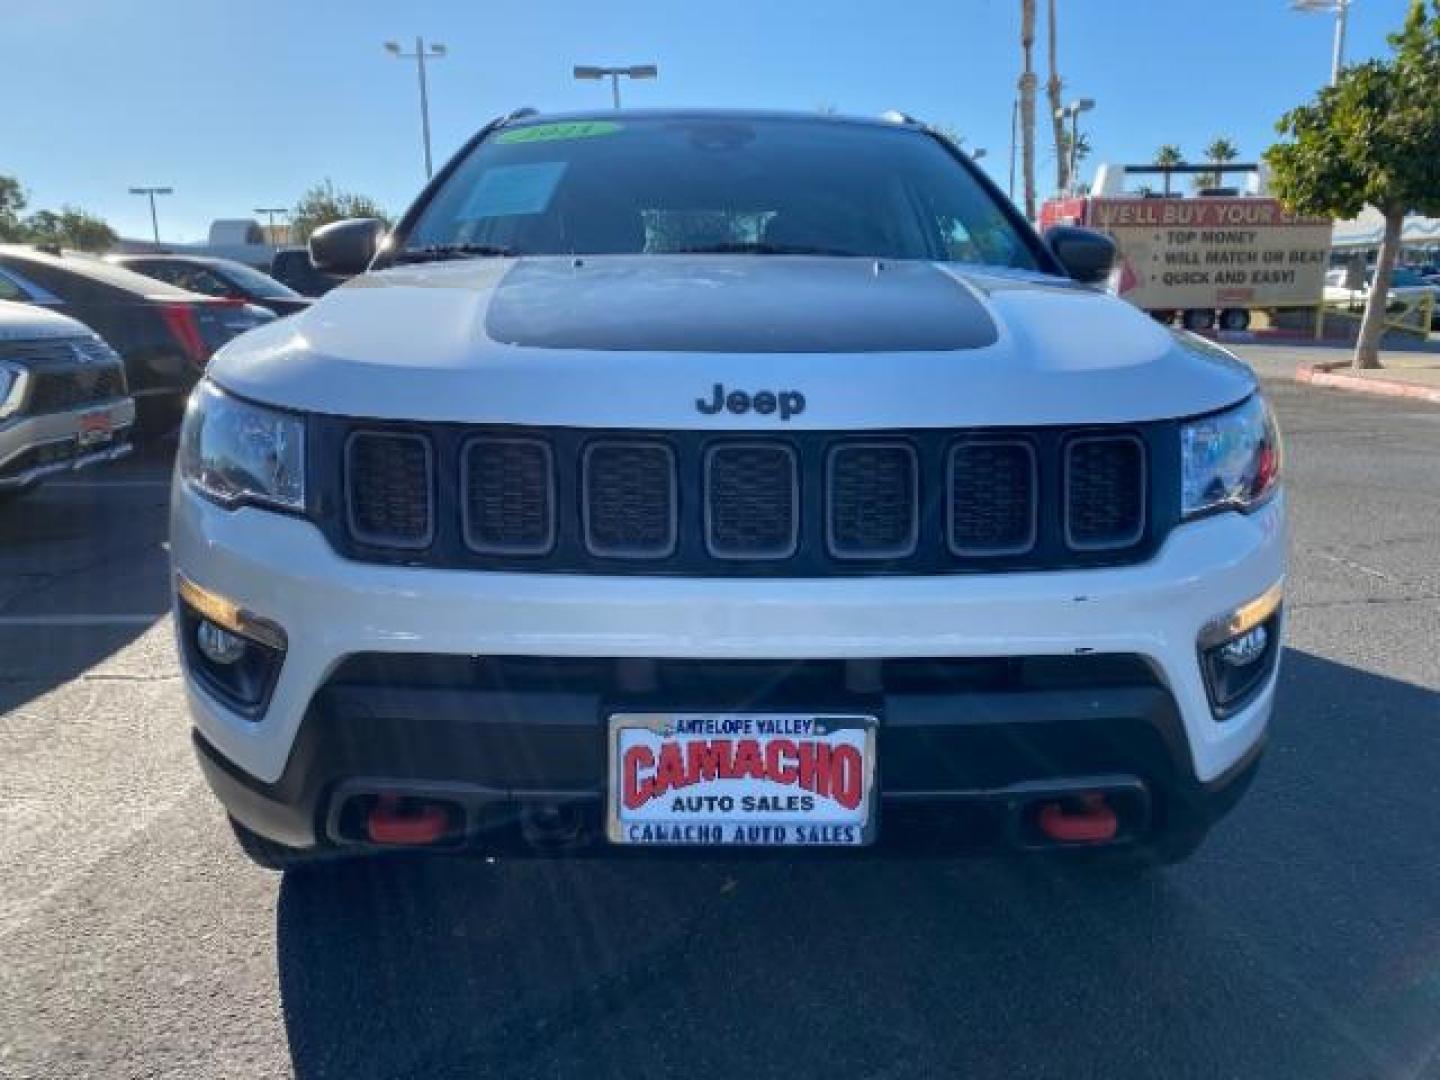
{"x": 748, "y": 247}
{"x": 444, "y": 252}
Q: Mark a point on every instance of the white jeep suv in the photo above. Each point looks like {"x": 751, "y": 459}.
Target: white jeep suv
{"x": 724, "y": 479}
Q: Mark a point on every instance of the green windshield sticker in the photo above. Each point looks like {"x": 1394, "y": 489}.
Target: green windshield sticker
{"x": 577, "y": 129}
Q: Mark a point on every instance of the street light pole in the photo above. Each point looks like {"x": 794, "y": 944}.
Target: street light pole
{"x": 634, "y": 71}
{"x": 151, "y": 192}
{"x": 1341, "y": 10}
{"x": 434, "y": 51}
{"x": 1072, "y": 112}
{"x": 1337, "y": 60}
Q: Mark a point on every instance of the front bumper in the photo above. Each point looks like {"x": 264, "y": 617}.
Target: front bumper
{"x": 332, "y": 609}
{"x": 34, "y": 447}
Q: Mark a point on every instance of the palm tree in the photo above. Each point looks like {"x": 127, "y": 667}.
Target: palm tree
{"x": 1027, "y": 103}
{"x": 1167, "y": 157}
{"x": 1053, "y": 89}
{"x": 1219, "y": 152}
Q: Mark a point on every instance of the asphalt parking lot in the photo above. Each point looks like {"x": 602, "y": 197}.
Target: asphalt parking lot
{"x": 1303, "y": 941}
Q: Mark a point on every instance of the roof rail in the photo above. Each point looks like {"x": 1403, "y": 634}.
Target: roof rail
{"x": 522, "y": 113}
{"x": 895, "y": 116}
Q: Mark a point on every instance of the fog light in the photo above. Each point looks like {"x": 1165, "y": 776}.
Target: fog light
{"x": 1245, "y": 649}
{"x": 218, "y": 645}
{"x": 1235, "y": 671}
{"x": 235, "y": 654}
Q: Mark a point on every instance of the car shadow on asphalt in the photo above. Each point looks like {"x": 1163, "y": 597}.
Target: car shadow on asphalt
{"x": 83, "y": 573}
{"x": 1285, "y": 930}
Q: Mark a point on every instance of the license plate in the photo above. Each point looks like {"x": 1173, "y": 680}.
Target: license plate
{"x": 741, "y": 779}
{"x": 96, "y": 429}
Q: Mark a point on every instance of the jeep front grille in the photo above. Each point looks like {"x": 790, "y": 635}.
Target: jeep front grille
{"x": 801, "y": 504}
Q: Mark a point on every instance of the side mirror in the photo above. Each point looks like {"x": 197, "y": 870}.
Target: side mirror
{"x": 1087, "y": 256}
{"x": 346, "y": 247}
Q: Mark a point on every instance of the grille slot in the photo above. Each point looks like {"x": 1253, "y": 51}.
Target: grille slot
{"x": 1104, "y": 492}
{"x": 752, "y": 501}
{"x": 873, "y": 497}
{"x": 991, "y": 497}
{"x": 508, "y": 487}
{"x": 630, "y": 499}
{"x": 390, "y": 482}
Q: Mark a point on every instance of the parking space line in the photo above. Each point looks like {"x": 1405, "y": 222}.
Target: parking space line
{"x": 24, "y": 621}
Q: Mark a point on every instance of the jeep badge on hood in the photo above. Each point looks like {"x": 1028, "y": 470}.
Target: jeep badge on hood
{"x": 788, "y": 402}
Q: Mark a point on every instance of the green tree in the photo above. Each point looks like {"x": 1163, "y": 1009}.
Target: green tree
{"x": 1220, "y": 152}
{"x": 323, "y": 204}
{"x": 70, "y": 228}
{"x": 13, "y": 201}
{"x": 1167, "y": 157}
{"x": 1372, "y": 138}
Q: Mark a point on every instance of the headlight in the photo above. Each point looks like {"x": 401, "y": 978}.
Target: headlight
{"x": 1230, "y": 461}
{"x": 12, "y": 388}
{"x": 235, "y": 453}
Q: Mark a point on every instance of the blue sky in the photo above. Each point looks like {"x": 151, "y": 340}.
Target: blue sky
{"x": 238, "y": 105}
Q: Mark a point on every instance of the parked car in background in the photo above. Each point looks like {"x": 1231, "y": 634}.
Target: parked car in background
{"x": 217, "y": 277}
{"x": 63, "y": 399}
{"x": 165, "y": 335}
{"x": 292, "y": 267}
{"x": 1408, "y": 287}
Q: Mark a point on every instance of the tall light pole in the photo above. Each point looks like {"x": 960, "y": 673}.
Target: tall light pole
{"x": 1341, "y": 10}
{"x": 1072, "y": 112}
{"x": 434, "y": 51}
{"x": 635, "y": 71}
{"x": 152, "y": 192}
{"x": 271, "y": 211}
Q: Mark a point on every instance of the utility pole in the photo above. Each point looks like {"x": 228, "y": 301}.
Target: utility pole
{"x": 434, "y": 51}
{"x": 634, "y": 71}
{"x": 154, "y": 220}
{"x": 271, "y": 211}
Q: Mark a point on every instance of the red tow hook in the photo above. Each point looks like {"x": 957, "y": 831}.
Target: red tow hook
{"x": 389, "y": 823}
{"x": 1094, "y": 822}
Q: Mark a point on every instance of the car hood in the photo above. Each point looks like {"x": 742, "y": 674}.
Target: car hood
{"x": 23, "y": 322}
{"x": 643, "y": 342}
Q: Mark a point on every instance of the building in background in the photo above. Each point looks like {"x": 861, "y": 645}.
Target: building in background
{"x": 242, "y": 239}
{"x": 1419, "y": 241}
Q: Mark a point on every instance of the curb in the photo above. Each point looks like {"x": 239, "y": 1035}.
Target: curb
{"x": 1323, "y": 374}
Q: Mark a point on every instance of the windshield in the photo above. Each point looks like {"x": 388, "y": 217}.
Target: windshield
{"x": 696, "y": 184}
{"x": 254, "y": 282}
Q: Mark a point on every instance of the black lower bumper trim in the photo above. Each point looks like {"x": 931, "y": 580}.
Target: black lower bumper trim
{"x": 954, "y": 746}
